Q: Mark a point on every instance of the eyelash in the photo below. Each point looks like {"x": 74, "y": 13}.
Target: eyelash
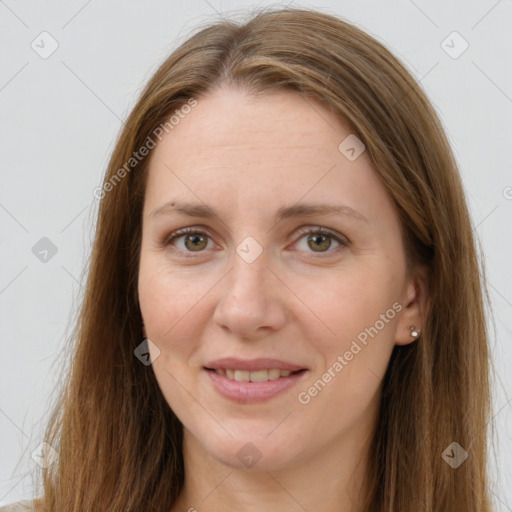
{"x": 317, "y": 230}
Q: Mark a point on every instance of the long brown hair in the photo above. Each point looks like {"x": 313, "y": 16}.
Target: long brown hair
{"x": 119, "y": 442}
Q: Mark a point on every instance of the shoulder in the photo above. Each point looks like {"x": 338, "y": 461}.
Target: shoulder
{"x": 19, "y": 506}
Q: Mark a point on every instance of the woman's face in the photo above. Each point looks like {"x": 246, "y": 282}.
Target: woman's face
{"x": 254, "y": 288}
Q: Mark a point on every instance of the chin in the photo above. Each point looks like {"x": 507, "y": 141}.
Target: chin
{"x": 254, "y": 453}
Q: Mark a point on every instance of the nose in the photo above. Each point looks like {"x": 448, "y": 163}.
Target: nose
{"x": 252, "y": 299}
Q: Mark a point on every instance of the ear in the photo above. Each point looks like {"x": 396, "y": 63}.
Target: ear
{"x": 415, "y": 302}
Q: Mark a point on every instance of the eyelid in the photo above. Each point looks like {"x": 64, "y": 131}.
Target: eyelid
{"x": 304, "y": 230}
{"x": 324, "y": 231}
{"x": 201, "y": 230}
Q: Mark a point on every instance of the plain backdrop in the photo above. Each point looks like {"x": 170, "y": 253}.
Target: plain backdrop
{"x": 60, "y": 113}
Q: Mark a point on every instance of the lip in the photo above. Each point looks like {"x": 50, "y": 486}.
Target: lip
{"x": 252, "y": 392}
{"x": 252, "y": 365}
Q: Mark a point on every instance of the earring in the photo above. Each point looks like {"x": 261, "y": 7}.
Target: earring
{"x": 414, "y": 333}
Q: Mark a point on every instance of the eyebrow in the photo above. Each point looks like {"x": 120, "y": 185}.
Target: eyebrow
{"x": 285, "y": 212}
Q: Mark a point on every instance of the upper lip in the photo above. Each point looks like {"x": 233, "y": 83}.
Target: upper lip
{"x": 261, "y": 363}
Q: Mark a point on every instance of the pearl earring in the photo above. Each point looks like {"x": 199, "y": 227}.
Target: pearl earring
{"x": 414, "y": 332}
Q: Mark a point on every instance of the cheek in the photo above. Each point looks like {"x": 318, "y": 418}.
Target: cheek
{"x": 345, "y": 386}
{"x": 169, "y": 306}
{"x": 347, "y": 302}
{"x": 358, "y": 312}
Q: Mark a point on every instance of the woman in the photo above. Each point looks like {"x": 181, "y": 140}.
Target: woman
{"x": 284, "y": 308}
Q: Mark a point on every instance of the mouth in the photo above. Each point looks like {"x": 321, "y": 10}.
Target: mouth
{"x": 252, "y": 386}
{"x": 262, "y": 375}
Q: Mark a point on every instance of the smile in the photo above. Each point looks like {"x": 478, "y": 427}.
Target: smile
{"x": 254, "y": 376}
{"x": 245, "y": 387}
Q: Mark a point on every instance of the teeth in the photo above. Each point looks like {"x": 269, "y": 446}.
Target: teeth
{"x": 242, "y": 375}
{"x": 274, "y": 373}
{"x": 256, "y": 376}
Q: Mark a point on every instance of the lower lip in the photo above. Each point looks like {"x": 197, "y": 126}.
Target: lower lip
{"x": 250, "y": 392}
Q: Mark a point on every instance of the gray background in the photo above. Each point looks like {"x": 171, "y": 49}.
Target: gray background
{"x": 59, "y": 117}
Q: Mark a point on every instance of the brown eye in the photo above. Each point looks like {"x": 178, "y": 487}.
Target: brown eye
{"x": 188, "y": 240}
{"x": 319, "y": 241}
{"x": 195, "y": 241}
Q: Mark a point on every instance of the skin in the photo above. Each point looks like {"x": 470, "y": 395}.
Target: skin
{"x": 246, "y": 157}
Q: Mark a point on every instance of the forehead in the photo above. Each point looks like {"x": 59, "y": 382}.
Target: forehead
{"x": 229, "y": 117}
{"x": 252, "y": 152}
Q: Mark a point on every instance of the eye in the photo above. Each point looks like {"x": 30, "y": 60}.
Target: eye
{"x": 193, "y": 239}
{"x": 319, "y": 240}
